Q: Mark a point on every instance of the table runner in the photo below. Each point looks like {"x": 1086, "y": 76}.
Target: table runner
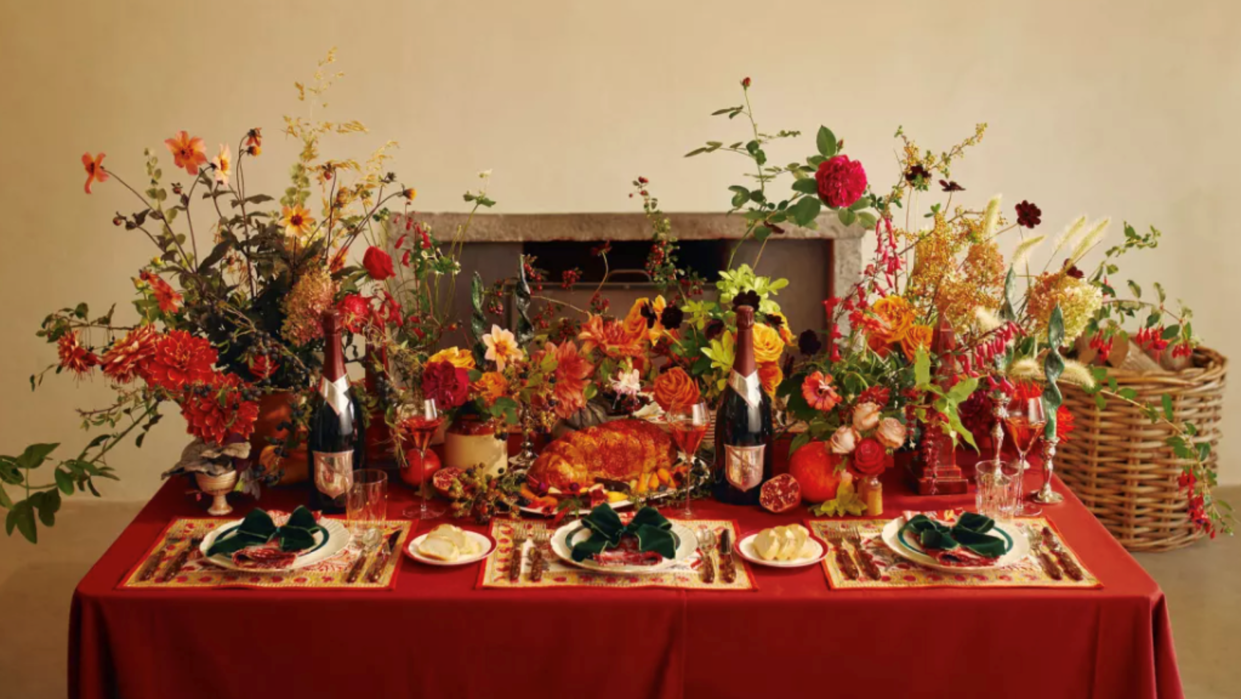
{"x": 437, "y": 635}
{"x": 329, "y": 574}
{"x": 899, "y": 573}
{"x": 684, "y": 576}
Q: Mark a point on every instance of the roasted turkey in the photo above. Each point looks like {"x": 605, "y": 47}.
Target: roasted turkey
{"x": 621, "y": 450}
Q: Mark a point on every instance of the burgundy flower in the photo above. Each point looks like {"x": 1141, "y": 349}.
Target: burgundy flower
{"x": 916, "y": 172}
{"x": 446, "y": 384}
{"x": 671, "y": 317}
{"x": 950, "y": 186}
{"x": 808, "y": 342}
{"x": 648, "y": 313}
{"x": 774, "y": 320}
{"x": 714, "y": 329}
{"x": 1028, "y": 214}
{"x": 841, "y": 181}
{"x": 746, "y": 298}
{"x": 745, "y": 82}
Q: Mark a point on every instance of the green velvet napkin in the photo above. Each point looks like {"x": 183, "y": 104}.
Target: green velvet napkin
{"x": 258, "y": 528}
{"x": 653, "y": 531}
{"x": 970, "y": 531}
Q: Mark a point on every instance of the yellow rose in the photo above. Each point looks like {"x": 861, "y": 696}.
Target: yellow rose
{"x": 770, "y": 375}
{"x": 491, "y": 386}
{"x": 768, "y": 346}
{"x": 462, "y": 359}
{"x": 896, "y": 315}
{"x": 918, "y": 336}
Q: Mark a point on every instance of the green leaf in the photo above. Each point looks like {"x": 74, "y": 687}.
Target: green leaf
{"x": 48, "y": 504}
{"x": 867, "y": 219}
{"x": 1167, "y": 406}
{"x": 21, "y": 516}
{"x": 34, "y": 455}
{"x": 5, "y": 501}
{"x": 1137, "y": 290}
{"x": 1171, "y": 331}
{"x": 1055, "y": 328}
{"x": 846, "y": 217}
{"x": 799, "y": 441}
{"x": 806, "y": 186}
{"x": 740, "y": 195}
{"x": 922, "y": 368}
{"x": 806, "y": 210}
{"x": 962, "y": 391}
{"x": 1159, "y": 290}
{"x": 826, "y": 141}
{"x": 64, "y": 481}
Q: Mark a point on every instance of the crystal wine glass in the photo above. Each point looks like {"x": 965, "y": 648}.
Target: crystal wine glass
{"x": 1026, "y": 419}
{"x": 689, "y": 427}
{"x": 419, "y": 428}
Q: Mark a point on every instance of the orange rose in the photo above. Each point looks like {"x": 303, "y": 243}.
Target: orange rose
{"x": 768, "y": 346}
{"x": 676, "y": 390}
{"x": 460, "y": 358}
{"x": 897, "y": 316}
{"x": 918, "y": 336}
{"x": 770, "y": 375}
{"x": 491, "y": 387}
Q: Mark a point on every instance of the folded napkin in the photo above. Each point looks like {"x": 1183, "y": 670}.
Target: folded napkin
{"x": 965, "y": 543}
{"x": 650, "y": 528}
{"x": 258, "y": 530}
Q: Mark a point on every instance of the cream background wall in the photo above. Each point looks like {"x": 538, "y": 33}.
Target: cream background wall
{"x": 1123, "y": 108}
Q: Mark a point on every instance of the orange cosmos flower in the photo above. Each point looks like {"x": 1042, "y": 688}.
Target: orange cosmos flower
{"x": 94, "y": 169}
{"x": 188, "y": 153}
{"x": 296, "y": 220}
{"x": 169, "y": 300}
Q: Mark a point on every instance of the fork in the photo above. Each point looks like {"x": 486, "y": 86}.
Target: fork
{"x": 706, "y": 545}
{"x": 1040, "y": 553}
{"x": 843, "y": 558}
{"x": 519, "y": 554}
{"x": 868, "y": 561}
{"x": 538, "y": 559}
{"x": 153, "y": 563}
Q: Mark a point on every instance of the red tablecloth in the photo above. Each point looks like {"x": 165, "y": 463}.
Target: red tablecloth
{"x": 435, "y": 635}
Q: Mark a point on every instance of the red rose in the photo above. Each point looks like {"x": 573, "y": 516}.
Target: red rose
{"x": 869, "y": 457}
{"x": 377, "y": 263}
{"x": 446, "y": 384}
{"x": 841, "y": 181}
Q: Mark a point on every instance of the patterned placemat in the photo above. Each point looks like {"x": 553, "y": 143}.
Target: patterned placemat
{"x": 681, "y": 576}
{"x": 897, "y": 572}
{"x": 196, "y": 573}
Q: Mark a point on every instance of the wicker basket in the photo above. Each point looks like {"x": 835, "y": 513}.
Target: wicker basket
{"x": 1116, "y": 461}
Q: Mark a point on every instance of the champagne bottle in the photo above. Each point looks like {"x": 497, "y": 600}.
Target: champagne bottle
{"x": 743, "y": 428}
{"x": 335, "y": 446}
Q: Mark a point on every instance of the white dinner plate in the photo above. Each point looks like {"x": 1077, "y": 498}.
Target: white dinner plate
{"x": 621, "y": 504}
{"x": 745, "y": 547}
{"x": 330, "y": 540}
{"x": 565, "y": 537}
{"x": 907, "y": 547}
{"x": 486, "y": 543}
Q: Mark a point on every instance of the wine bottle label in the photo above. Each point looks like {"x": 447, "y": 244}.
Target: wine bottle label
{"x": 748, "y": 387}
{"x": 743, "y": 466}
{"x": 333, "y": 472}
{"x": 335, "y": 393}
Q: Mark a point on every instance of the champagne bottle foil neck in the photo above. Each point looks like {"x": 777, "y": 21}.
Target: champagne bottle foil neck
{"x": 745, "y": 317}
{"x": 333, "y": 353}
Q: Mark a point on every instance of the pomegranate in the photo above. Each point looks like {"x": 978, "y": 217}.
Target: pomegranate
{"x": 444, "y": 478}
{"x": 412, "y": 474}
{"x": 814, "y": 467}
{"x": 780, "y": 494}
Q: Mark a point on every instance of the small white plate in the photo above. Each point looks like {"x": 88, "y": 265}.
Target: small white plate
{"x": 907, "y": 547}
{"x": 487, "y": 543}
{"x": 565, "y": 537}
{"x": 745, "y": 547}
{"x": 329, "y": 541}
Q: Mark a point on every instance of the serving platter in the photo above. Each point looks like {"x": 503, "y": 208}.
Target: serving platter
{"x": 906, "y": 546}
{"x": 566, "y": 537}
{"x": 331, "y": 538}
{"x": 487, "y": 544}
{"x": 745, "y": 547}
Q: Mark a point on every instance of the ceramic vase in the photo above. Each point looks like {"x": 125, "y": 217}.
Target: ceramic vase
{"x": 218, "y": 487}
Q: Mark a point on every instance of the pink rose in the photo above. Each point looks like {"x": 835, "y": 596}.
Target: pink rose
{"x": 891, "y": 433}
{"x": 844, "y": 440}
{"x": 841, "y": 181}
{"x": 866, "y": 417}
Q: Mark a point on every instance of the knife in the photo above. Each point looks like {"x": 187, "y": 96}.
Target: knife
{"x": 381, "y": 558}
{"x": 1046, "y": 560}
{"x": 519, "y": 555}
{"x": 1070, "y": 566}
{"x": 356, "y": 569}
{"x": 728, "y": 564}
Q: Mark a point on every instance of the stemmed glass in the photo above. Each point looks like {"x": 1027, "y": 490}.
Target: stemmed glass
{"x": 419, "y": 428}
{"x": 689, "y": 427}
{"x": 1026, "y": 419}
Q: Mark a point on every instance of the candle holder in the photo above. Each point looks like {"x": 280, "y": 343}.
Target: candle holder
{"x": 1047, "y": 495}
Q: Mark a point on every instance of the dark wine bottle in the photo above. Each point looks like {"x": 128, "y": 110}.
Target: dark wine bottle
{"x": 743, "y": 428}
{"x": 335, "y": 446}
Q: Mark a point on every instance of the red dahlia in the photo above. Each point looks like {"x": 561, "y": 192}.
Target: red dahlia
{"x": 180, "y": 359}
{"x": 216, "y": 408}
{"x": 129, "y": 356}
{"x": 73, "y": 356}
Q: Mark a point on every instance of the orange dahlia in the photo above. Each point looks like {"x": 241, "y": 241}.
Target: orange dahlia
{"x": 614, "y": 339}
{"x": 128, "y": 357}
{"x": 217, "y": 408}
{"x": 73, "y": 356}
{"x": 180, "y": 359}
{"x": 571, "y": 377}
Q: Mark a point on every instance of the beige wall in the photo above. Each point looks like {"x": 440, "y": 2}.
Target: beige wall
{"x": 1119, "y": 108}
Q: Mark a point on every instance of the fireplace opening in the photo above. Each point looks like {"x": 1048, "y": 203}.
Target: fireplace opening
{"x": 626, "y": 259}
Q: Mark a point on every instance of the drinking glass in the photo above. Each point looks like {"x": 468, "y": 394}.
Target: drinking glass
{"x": 1026, "y": 419}
{"x": 366, "y": 501}
{"x": 689, "y": 427}
{"x": 419, "y": 427}
{"x": 994, "y": 492}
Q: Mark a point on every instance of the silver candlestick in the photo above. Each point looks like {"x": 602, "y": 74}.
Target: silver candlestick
{"x": 1046, "y": 495}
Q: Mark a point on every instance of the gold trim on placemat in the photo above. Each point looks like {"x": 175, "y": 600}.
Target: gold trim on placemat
{"x": 495, "y": 573}
{"x": 897, "y": 572}
{"x": 196, "y": 573}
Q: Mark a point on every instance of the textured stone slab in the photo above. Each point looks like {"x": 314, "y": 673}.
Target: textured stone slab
{"x": 520, "y": 228}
